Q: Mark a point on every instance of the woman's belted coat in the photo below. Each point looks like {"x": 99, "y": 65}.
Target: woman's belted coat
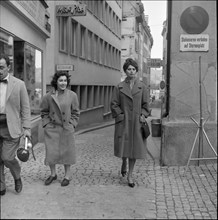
{"x": 59, "y": 118}
{"x": 127, "y": 105}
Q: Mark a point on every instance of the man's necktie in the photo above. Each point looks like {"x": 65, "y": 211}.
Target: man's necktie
{"x": 3, "y": 81}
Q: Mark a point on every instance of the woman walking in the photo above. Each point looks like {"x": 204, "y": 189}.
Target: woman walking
{"x": 60, "y": 115}
{"x": 129, "y": 106}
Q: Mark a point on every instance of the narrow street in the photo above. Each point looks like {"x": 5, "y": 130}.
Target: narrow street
{"x": 97, "y": 190}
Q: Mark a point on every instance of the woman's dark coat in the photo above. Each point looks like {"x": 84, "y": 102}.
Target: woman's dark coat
{"x": 127, "y": 106}
{"x": 59, "y": 119}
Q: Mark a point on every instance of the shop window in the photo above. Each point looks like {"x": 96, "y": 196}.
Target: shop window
{"x": 7, "y": 47}
{"x": 27, "y": 66}
{"x": 33, "y": 77}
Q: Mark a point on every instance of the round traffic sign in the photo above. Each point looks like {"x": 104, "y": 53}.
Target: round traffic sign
{"x": 162, "y": 84}
{"x": 194, "y": 20}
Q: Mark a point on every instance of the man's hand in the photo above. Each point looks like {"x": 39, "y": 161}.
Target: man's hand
{"x": 27, "y": 133}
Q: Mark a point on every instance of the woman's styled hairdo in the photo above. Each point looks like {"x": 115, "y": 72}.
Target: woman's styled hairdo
{"x": 57, "y": 75}
{"x": 129, "y": 62}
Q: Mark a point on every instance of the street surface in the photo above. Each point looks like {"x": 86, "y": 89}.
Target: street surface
{"x": 97, "y": 189}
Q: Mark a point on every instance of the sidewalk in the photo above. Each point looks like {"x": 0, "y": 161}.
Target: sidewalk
{"x": 97, "y": 190}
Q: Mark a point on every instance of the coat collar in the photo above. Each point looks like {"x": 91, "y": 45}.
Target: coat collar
{"x": 54, "y": 96}
{"x": 125, "y": 88}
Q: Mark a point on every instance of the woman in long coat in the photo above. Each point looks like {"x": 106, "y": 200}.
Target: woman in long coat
{"x": 60, "y": 115}
{"x": 129, "y": 106}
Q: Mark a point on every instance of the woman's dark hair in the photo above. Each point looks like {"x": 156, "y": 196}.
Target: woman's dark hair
{"x": 57, "y": 75}
{"x": 6, "y": 58}
{"x": 129, "y": 62}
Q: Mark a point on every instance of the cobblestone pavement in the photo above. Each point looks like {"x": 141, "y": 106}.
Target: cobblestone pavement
{"x": 97, "y": 189}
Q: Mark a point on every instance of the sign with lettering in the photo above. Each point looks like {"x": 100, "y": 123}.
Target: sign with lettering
{"x": 64, "y": 67}
{"x": 194, "y": 42}
{"x": 154, "y": 63}
{"x": 76, "y": 9}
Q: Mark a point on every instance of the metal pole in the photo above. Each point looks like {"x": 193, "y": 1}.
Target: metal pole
{"x": 200, "y": 149}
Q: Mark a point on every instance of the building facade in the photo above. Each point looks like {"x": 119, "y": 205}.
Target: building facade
{"x": 191, "y": 83}
{"x": 86, "y": 41}
{"x": 137, "y": 40}
{"x": 24, "y": 28}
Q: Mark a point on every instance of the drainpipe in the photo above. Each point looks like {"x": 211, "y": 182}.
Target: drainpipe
{"x": 169, "y": 27}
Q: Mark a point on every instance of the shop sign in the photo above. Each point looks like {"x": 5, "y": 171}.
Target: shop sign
{"x": 154, "y": 63}
{"x": 65, "y": 67}
{"x": 76, "y": 9}
{"x": 194, "y": 42}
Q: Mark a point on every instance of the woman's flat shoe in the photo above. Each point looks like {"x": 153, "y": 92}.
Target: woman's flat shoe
{"x": 50, "y": 180}
{"x": 65, "y": 182}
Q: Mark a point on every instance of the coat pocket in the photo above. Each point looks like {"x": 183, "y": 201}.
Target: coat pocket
{"x": 119, "y": 118}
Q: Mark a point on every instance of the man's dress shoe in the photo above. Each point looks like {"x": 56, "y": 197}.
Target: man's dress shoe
{"x": 18, "y": 185}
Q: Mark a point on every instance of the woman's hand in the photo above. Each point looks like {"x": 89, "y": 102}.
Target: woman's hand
{"x": 142, "y": 119}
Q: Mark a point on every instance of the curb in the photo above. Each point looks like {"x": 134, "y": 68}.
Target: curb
{"x": 82, "y": 131}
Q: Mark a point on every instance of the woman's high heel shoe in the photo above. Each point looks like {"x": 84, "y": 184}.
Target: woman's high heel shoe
{"x": 50, "y": 180}
{"x": 130, "y": 184}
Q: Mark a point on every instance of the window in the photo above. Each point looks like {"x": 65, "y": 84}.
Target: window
{"x": 82, "y": 41}
{"x": 63, "y": 34}
{"x": 90, "y": 5}
{"x": 95, "y": 48}
{"x": 106, "y": 14}
{"x": 74, "y": 25}
{"x": 109, "y": 55}
{"x": 106, "y": 54}
{"x": 110, "y": 18}
{"x": 33, "y": 77}
{"x": 101, "y": 52}
{"x": 96, "y": 8}
{"x": 101, "y": 11}
{"x": 89, "y": 46}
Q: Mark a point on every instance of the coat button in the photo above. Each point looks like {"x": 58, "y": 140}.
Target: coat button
{"x": 64, "y": 120}
{"x": 63, "y": 113}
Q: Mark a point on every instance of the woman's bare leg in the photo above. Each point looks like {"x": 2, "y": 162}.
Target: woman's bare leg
{"x": 131, "y": 167}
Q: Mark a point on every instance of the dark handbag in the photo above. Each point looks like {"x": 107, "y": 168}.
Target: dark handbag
{"x": 145, "y": 130}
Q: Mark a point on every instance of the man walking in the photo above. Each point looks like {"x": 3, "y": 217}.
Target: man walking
{"x": 14, "y": 122}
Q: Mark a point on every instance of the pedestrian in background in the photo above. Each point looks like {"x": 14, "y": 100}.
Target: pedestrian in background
{"x": 60, "y": 115}
{"x": 129, "y": 106}
{"x": 14, "y": 122}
